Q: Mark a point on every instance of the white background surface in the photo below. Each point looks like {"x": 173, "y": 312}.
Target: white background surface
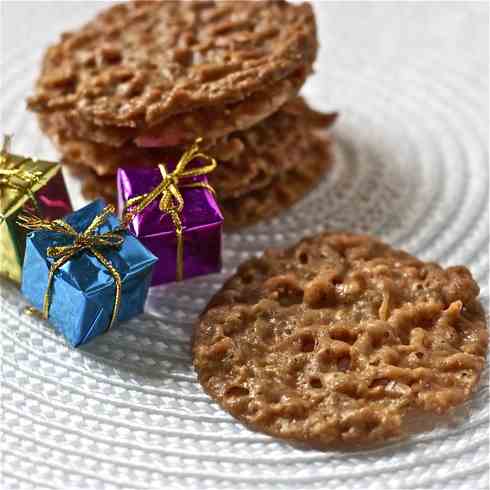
{"x": 126, "y": 412}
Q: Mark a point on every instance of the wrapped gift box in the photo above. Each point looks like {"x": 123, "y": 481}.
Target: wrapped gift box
{"x": 201, "y": 220}
{"x": 37, "y": 186}
{"x": 83, "y": 290}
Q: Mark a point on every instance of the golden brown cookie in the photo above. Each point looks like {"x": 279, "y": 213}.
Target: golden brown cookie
{"x": 249, "y": 160}
{"x": 138, "y": 64}
{"x": 288, "y": 124}
{"x": 338, "y": 339}
{"x": 261, "y": 190}
{"x": 181, "y": 129}
{"x": 284, "y": 189}
{"x": 269, "y": 195}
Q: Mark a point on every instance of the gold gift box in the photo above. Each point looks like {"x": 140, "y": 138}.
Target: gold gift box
{"x": 26, "y": 184}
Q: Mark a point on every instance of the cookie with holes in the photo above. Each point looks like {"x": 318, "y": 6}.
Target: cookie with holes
{"x": 263, "y": 194}
{"x": 249, "y": 159}
{"x": 341, "y": 339}
{"x": 163, "y": 73}
{"x": 283, "y": 190}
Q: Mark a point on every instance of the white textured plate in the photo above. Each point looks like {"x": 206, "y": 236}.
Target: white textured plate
{"x": 126, "y": 412}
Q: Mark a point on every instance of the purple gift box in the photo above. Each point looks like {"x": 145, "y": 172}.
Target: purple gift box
{"x": 53, "y": 199}
{"x": 201, "y": 221}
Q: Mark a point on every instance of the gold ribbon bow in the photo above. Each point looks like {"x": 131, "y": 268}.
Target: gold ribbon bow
{"x": 86, "y": 240}
{"x": 171, "y": 200}
{"x": 12, "y": 174}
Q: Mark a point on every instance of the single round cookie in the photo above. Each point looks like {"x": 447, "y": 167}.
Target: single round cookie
{"x": 336, "y": 340}
{"x": 249, "y": 160}
{"x": 284, "y": 189}
{"x": 269, "y": 193}
{"x": 180, "y": 129}
{"x": 139, "y": 63}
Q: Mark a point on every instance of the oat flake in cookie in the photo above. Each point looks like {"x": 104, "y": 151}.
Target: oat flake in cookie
{"x": 338, "y": 339}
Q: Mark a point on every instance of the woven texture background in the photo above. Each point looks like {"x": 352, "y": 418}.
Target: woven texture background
{"x": 126, "y": 412}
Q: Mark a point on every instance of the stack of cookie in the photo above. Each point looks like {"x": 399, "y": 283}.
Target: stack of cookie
{"x": 144, "y": 79}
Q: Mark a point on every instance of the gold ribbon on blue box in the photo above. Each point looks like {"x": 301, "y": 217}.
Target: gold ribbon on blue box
{"x": 85, "y": 273}
{"x": 26, "y": 184}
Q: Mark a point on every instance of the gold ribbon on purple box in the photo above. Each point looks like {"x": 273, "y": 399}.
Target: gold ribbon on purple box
{"x": 171, "y": 200}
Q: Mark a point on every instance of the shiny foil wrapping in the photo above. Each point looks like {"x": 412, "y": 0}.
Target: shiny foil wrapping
{"x": 83, "y": 290}
{"x": 50, "y": 201}
{"x": 201, "y": 219}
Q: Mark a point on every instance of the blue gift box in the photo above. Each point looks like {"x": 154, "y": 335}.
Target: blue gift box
{"x": 83, "y": 290}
